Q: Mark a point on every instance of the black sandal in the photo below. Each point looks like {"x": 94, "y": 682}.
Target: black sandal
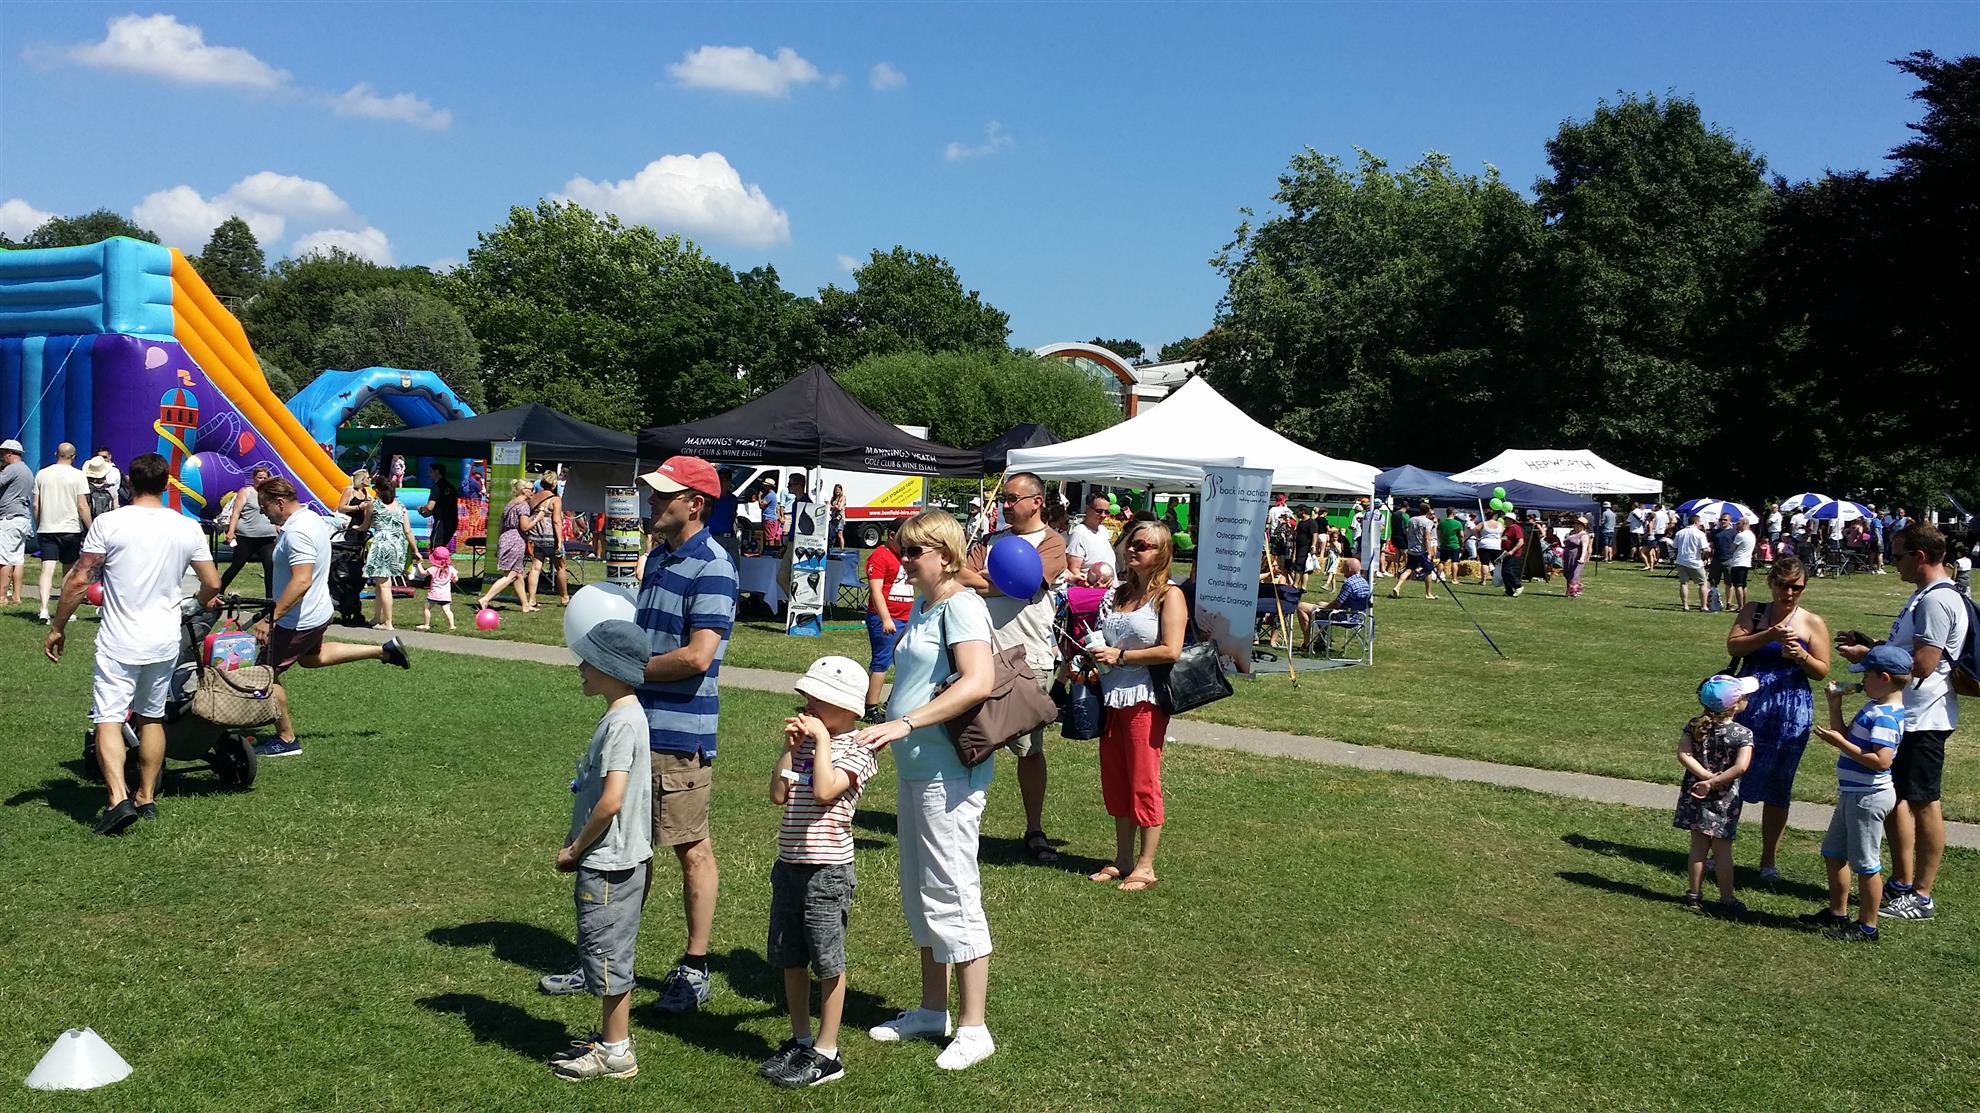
{"x": 1039, "y": 847}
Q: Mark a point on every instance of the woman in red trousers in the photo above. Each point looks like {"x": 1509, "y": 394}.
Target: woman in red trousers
{"x": 1143, "y": 619}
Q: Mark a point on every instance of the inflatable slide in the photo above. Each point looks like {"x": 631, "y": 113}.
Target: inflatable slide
{"x": 120, "y": 344}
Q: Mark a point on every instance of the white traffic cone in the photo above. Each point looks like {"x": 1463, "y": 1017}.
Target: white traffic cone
{"x": 79, "y": 1060}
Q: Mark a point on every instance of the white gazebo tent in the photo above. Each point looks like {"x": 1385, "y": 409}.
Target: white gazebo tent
{"x": 1577, "y": 470}
{"x": 1169, "y": 445}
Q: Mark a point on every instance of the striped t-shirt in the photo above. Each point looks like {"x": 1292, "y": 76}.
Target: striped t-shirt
{"x": 686, "y": 589}
{"x": 1878, "y": 724}
{"x": 814, "y": 834}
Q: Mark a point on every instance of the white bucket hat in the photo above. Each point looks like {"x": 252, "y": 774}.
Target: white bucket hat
{"x": 839, "y": 681}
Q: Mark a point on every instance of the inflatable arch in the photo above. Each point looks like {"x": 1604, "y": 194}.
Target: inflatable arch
{"x": 416, "y": 397}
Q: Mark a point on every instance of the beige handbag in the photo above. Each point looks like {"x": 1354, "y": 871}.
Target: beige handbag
{"x": 243, "y": 697}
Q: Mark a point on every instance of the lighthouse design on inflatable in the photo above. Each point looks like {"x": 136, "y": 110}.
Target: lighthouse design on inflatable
{"x": 178, "y": 434}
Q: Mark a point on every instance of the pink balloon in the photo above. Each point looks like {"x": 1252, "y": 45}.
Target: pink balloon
{"x": 487, "y": 618}
{"x": 95, "y": 594}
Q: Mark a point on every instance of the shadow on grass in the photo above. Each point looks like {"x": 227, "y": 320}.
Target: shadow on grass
{"x": 1674, "y": 862}
{"x": 991, "y": 850}
{"x": 499, "y": 1022}
{"x": 1632, "y": 889}
{"x": 526, "y": 945}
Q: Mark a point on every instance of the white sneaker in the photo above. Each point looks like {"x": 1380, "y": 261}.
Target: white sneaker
{"x": 911, "y": 1024}
{"x": 970, "y": 1047}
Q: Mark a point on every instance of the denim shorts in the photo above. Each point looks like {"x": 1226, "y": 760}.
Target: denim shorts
{"x": 810, "y": 908}
{"x": 880, "y": 642}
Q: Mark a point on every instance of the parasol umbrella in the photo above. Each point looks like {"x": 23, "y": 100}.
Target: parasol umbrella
{"x": 1711, "y": 509}
{"x": 1807, "y": 500}
{"x": 1839, "y": 510}
{"x": 1688, "y": 508}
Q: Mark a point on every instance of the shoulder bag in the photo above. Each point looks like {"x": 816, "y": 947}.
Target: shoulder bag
{"x": 1736, "y": 664}
{"x": 1195, "y": 679}
{"x": 238, "y": 698}
{"x": 1016, "y": 704}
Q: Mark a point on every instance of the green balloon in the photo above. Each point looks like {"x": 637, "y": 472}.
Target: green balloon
{"x": 1498, "y": 492}
{"x": 1497, "y": 503}
{"x": 1510, "y": 511}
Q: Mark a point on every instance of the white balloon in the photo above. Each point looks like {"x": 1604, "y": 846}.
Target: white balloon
{"x": 593, "y": 604}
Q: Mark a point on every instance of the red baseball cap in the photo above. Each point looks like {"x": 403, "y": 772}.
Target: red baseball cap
{"x": 684, "y": 473}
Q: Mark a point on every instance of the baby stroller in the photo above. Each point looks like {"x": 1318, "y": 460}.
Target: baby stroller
{"x": 347, "y": 580}
{"x": 190, "y": 740}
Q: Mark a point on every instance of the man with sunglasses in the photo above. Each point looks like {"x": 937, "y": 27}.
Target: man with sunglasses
{"x": 1086, "y": 541}
{"x": 1025, "y": 621}
{"x": 1934, "y": 626}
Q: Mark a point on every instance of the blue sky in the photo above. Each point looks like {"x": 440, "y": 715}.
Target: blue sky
{"x": 1077, "y": 163}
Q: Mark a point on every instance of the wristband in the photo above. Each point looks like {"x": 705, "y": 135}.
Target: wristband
{"x": 909, "y": 722}
{"x": 789, "y": 775}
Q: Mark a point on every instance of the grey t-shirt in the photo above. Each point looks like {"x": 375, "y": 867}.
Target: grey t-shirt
{"x": 16, "y": 490}
{"x": 619, "y": 743}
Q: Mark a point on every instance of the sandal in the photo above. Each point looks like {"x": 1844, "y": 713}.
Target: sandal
{"x": 1108, "y": 872}
{"x": 1138, "y": 883}
{"x": 1039, "y": 847}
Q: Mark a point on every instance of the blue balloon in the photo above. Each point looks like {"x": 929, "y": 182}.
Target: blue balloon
{"x": 1015, "y": 567}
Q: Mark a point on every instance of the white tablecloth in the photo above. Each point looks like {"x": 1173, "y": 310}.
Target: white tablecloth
{"x": 763, "y": 575}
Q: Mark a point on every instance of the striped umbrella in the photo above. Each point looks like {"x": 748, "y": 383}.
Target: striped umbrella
{"x": 1687, "y": 509}
{"x": 1807, "y": 500}
{"x": 1839, "y": 510}
{"x": 1710, "y": 509}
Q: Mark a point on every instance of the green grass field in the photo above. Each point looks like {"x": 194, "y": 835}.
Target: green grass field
{"x": 364, "y": 929}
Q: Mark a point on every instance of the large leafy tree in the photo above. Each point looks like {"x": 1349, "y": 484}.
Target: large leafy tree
{"x": 76, "y": 231}
{"x": 298, "y": 303}
{"x": 1379, "y": 314}
{"x": 393, "y": 326}
{"x": 966, "y": 398}
{"x": 905, "y": 301}
{"x": 232, "y": 264}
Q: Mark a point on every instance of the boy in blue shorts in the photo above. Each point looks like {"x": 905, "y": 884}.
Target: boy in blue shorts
{"x": 610, "y": 845}
{"x": 817, "y": 779}
{"x": 1864, "y": 794}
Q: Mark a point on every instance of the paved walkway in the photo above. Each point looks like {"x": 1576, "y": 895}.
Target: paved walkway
{"x": 1581, "y": 786}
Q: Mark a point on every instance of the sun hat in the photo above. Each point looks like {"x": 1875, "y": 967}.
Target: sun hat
{"x": 1893, "y": 659}
{"x": 12, "y": 445}
{"x": 441, "y": 552}
{"x": 1719, "y": 694}
{"x": 617, "y": 648}
{"x": 839, "y": 681}
{"x": 96, "y": 468}
{"x": 684, "y": 473}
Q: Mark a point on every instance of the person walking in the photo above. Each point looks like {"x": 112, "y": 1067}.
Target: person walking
{"x": 1688, "y": 552}
{"x": 1512, "y": 557}
{"x": 1785, "y": 647}
{"x": 546, "y": 540}
{"x": 1143, "y": 621}
{"x": 250, "y": 535}
{"x": 1739, "y": 565}
{"x": 1491, "y": 542}
{"x": 512, "y": 550}
{"x": 442, "y": 508}
{"x": 392, "y": 542}
{"x": 142, "y": 553}
{"x": 942, "y": 669}
{"x": 1574, "y": 553}
{"x": 1420, "y": 547}
{"x": 16, "y": 519}
{"x": 61, "y": 514}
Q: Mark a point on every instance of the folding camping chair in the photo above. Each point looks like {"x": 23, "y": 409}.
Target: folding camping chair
{"x": 1341, "y": 635}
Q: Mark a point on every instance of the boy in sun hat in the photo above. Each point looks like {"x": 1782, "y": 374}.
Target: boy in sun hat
{"x": 817, "y": 779}
{"x": 609, "y": 846}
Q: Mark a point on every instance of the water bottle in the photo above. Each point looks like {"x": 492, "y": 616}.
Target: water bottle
{"x": 1094, "y": 640}
{"x": 1838, "y": 688}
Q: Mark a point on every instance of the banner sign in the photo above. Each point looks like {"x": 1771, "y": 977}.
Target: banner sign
{"x": 621, "y": 534}
{"x": 1228, "y": 547}
{"x": 807, "y": 551}
{"x": 507, "y": 461}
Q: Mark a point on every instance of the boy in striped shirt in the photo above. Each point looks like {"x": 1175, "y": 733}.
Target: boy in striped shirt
{"x": 1864, "y": 795}
{"x": 817, "y": 779}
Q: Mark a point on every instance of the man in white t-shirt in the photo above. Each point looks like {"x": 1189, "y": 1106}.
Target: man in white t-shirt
{"x": 1025, "y": 621}
{"x": 142, "y": 551}
{"x": 1688, "y": 551}
{"x": 294, "y": 630}
{"x": 61, "y": 515}
{"x": 1933, "y": 626}
{"x": 1086, "y": 541}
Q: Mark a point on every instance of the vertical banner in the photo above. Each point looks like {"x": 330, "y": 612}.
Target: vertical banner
{"x": 506, "y": 461}
{"x": 808, "y": 549}
{"x": 1229, "y": 543}
{"x": 621, "y": 534}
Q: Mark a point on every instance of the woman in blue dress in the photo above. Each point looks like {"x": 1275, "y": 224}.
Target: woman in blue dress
{"x": 1786, "y": 647}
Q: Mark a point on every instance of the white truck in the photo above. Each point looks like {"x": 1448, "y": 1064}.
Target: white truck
{"x": 874, "y": 500}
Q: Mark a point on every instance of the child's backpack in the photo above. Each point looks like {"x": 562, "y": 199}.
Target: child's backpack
{"x": 1965, "y": 662}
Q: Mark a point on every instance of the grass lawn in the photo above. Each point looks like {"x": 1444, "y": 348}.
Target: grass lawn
{"x": 364, "y": 929}
{"x": 1599, "y": 684}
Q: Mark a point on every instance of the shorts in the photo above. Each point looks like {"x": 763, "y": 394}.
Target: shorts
{"x": 1856, "y": 829}
{"x": 1920, "y": 765}
{"x": 64, "y": 548}
{"x": 1449, "y": 554}
{"x": 1688, "y": 575}
{"x": 1770, "y": 778}
{"x": 940, "y": 823}
{"x": 544, "y": 550}
{"x": 1736, "y": 577}
{"x": 681, "y": 787}
{"x": 1419, "y": 562}
{"x": 880, "y": 643}
{"x": 1032, "y": 743}
{"x": 287, "y": 646}
{"x": 810, "y": 907}
{"x": 1488, "y": 556}
{"x": 608, "y": 906}
{"x": 14, "y": 533}
{"x": 139, "y": 689}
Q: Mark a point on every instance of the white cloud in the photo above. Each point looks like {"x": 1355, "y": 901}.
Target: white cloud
{"x": 362, "y": 100}
{"x": 885, "y": 78}
{"x": 161, "y": 46}
{"x": 848, "y": 264}
{"x": 995, "y": 139}
{"x": 18, "y": 218}
{"x": 740, "y": 69}
{"x": 697, "y": 194}
{"x": 365, "y": 243}
{"x": 268, "y": 202}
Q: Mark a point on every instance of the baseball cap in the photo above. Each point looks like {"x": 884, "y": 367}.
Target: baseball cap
{"x": 684, "y": 473}
{"x": 617, "y": 648}
{"x": 839, "y": 681}
{"x": 1893, "y": 659}
{"x": 1719, "y": 693}
{"x": 12, "y": 445}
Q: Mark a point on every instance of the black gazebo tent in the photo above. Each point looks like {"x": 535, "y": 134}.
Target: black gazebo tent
{"x": 549, "y": 434}
{"x": 997, "y": 450}
{"x": 810, "y": 421}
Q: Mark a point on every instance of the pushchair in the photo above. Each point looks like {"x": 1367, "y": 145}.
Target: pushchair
{"x": 347, "y": 580}
{"x": 190, "y": 740}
